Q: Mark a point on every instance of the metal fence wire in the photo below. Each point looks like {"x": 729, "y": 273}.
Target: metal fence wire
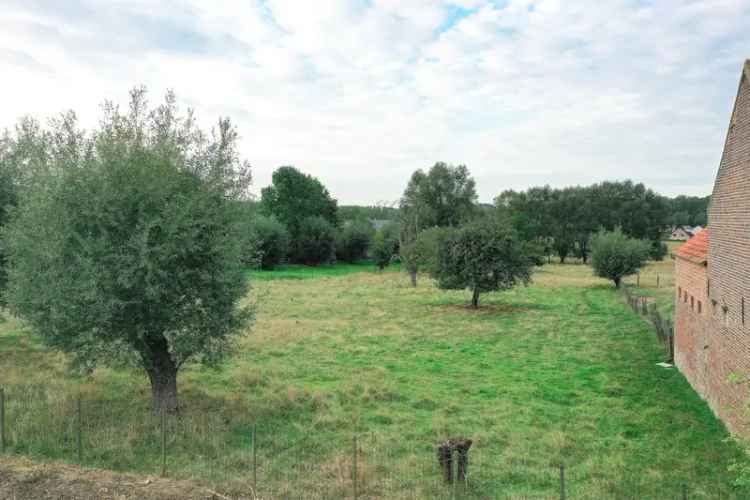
{"x": 245, "y": 460}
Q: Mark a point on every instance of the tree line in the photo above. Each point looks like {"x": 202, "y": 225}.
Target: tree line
{"x": 127, "y": 244}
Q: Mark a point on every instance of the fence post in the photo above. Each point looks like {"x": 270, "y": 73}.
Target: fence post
{"x": 657, "y": 280}
{"x": 2, "y": 420}
{"x": 562, "y": 482}
{"x": 79, "y": 431}
{"x": 255, "y": 462}
{"x": 163, "y": 442}
{"x": 354, "y": 466}
{"x": 638, "y": 279}
{"x": 454, "y": 470}
{"x": 684, "y": 492}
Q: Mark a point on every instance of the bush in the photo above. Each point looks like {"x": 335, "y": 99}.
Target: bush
{"x": 482, "y": 257}
{"x": 383, "y": 248}
{"x": 316, "y": 241}
{"x": 353, "y": 241}
{"x": 615, "y": 255}
{"x": 658, "y": 250}
{"x": 267, "y": 243}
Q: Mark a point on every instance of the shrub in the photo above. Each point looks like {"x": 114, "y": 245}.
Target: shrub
{"x": 267, "y": 243}
{"x": 353, "y": 241}
{"x": 482, "y": 257}
{"x": 316, "y": 241}
{"x": 615, "y": 255}
{"x": 658, "y": 250}
{"x": 383, "y": 248}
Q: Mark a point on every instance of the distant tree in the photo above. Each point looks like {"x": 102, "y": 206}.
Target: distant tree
{"x": 140, "y": 260}
{"x": 316, "y": 241}
{"x": 294, "y": 197}
{"x": 267, "y": 243}
{"x": 354, "y": 240}
{"x": 381, "y": 211}
{"x": 688, "y": 210}
{"x": 615, "y": 255}
{"x": 427, "y": 247}
{"x": 383, "y": 249}
{"x": 482, "y": 257}
{"x": 444, "y": 196}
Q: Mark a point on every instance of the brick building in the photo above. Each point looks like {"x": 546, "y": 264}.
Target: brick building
{"x": 712, "y": 282}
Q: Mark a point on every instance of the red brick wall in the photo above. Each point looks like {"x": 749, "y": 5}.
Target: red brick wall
{"x": 691, "y": 323}
{"x": 713, "y": 350}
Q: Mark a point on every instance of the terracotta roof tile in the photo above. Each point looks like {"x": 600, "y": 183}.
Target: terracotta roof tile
{"x": 696, "y": 248}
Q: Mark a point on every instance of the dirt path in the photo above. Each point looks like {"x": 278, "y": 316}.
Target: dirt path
{"x": 22, "y": 479}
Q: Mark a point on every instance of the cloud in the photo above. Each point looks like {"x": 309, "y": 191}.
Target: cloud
{"x": 362, "y": 92}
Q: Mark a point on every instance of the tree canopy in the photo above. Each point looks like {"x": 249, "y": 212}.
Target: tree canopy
{"x": 615, "y": 255}
{"x": 444, "y": 196}
{"x": 483, "y": 256}
{"x": 141, "y": 255}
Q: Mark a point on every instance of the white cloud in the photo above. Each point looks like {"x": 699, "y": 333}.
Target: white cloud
{"x": 361, "y": 93}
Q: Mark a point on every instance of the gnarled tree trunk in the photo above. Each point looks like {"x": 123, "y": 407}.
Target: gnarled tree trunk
{"x": 475, "y": 298}
{"x": 162, "y": 372}
{"x": 413, "y": 274}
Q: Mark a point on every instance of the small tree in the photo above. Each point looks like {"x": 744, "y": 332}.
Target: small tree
{"x": 127, "y": 250}
{"x": 482, "y": 257}
{"x": 316, "y": 241}
{"x": 383, "y": 248}
{"x": 267, "y": 242}
{"x": 353, "y": 240}
{"x": 615, "y": 255}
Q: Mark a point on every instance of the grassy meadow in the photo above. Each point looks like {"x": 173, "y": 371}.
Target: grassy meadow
{"x": 558, "y": 372}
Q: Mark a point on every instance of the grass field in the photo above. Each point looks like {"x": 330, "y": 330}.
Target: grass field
{"x": 561, "y": 371}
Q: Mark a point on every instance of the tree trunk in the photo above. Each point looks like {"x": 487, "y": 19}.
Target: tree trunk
{"x": 475, "y": 299}
{"x": 413, "y": 275}
{"x": 162, "y": 372}
{"x": 618, "y": 282}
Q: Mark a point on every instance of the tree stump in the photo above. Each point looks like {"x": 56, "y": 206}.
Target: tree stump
{"x": 457, "y": 447}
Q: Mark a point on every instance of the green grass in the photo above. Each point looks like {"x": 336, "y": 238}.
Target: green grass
{"x": 656, "y": 281}
{"x": 561, "y": 371}
{"x": 300, "y": 272}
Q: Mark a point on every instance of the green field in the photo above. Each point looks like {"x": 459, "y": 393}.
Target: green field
{"x": 558, "y": 372}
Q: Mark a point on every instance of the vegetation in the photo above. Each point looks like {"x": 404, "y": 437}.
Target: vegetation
{"x": 561, "y": 371}
{"x": 383, "y": 249}
{"x": 141, "y": 256}
{"x": 354, "y": 240}
{"x": 267, "y": 242}
{"x": 688, "y": 210}
{"x": 316, "y": 241}
{"x": 376, "y": 212}
{"x": 295, "y": 199}
{"x": 481, "y": 257}
{"x": 444, "y": 196}
{"x": 615, "y": 255}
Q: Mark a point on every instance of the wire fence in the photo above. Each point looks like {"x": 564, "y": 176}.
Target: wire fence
{"x": 663, "y": 326}
{"x": 245, "y": 460}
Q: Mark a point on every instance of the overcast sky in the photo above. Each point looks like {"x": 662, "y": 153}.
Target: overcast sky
{"x": 360, "y": 93}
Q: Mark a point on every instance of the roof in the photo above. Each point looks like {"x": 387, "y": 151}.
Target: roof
{"x": 695, "y": 249}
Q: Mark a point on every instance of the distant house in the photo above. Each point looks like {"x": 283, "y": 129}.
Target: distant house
{"x": 712, "y": 283}
{"x": 684, "y": 233}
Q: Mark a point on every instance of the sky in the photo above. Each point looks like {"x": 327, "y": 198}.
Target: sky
{"x": 361, "y": 93}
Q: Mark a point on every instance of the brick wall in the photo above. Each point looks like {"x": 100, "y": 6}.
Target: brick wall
{"x": 713, "y": 348}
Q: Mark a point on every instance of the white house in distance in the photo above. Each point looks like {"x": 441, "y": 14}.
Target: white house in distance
{"x": 684, "y": 233}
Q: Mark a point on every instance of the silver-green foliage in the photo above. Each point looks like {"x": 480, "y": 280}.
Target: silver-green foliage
{"x": 615, "y": 255}
{"x": 128, "y": 246}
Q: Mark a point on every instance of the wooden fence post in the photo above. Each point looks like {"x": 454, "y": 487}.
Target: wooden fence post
{"x": 79, "y": 431}
{"x": 255, "y": 461}
{"x": 657, "y": 280}
{"x": 2, "y": 420}
{"x": 354, "y": 467}
{"x": 562, "y": 482}
{"x": 163, "y": 442}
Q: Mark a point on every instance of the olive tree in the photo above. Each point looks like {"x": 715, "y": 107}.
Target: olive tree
{"x": 615, "y": 255}
{"x": 482, "y": 257}
{"x": 128, "y": 248}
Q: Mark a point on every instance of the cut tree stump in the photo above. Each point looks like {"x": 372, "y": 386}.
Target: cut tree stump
{"x": 457, "y": 447}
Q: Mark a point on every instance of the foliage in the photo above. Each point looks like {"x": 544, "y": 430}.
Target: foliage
{"x": 267, "y": 242}
{"x": 370, "y": 212}
{"x": 688, "y": 210}
{"x": 294, "y": 197}
{"x": 658, "y": 250}
{"x": 316, "y": 240}
{"x": 484, "y": 256}
{"x": 353, "y": 240}
{"x": 615, "y": 255}
{"x": 383, "y": 248}
{"x": 141, "y": 254}
{"x": 444, "y": 196}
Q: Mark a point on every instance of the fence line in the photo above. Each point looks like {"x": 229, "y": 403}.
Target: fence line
{"x": 663, "y": 326}
{"x": 254, "y": 462}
